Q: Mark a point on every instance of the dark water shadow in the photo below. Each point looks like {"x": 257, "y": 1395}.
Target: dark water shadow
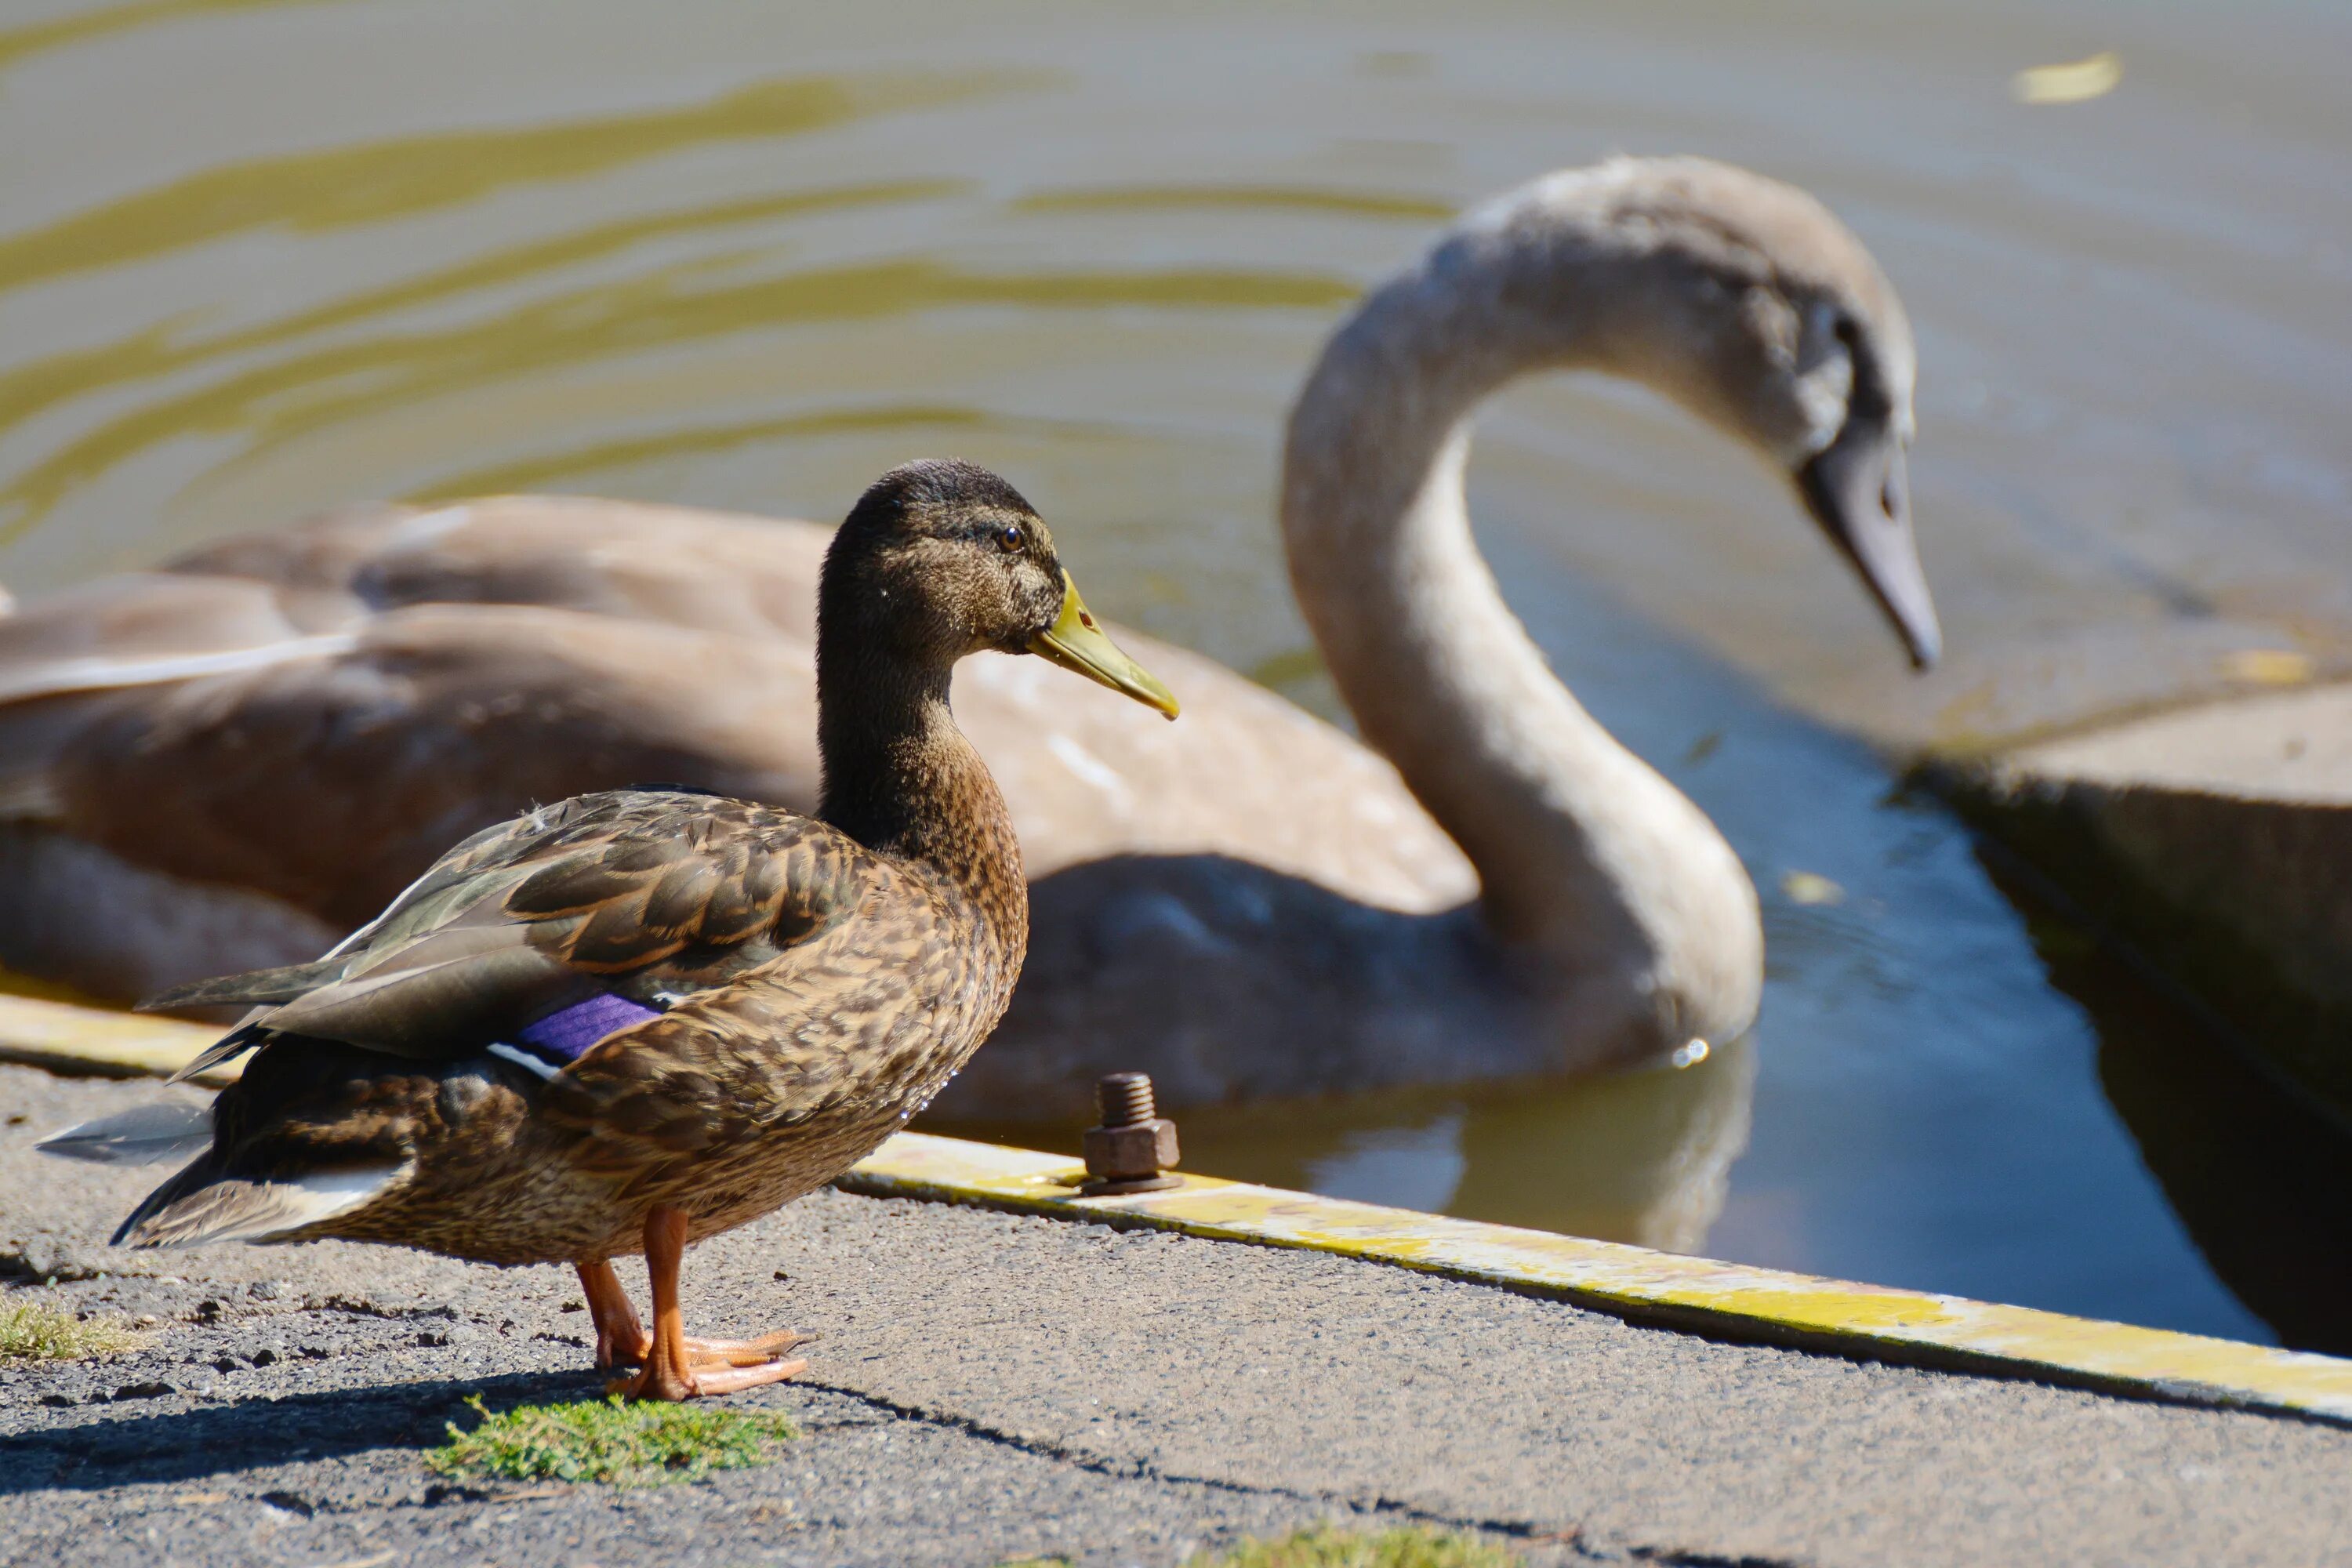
{"x": 2258, "y": 1170}
{"x": 215, "y": 1439}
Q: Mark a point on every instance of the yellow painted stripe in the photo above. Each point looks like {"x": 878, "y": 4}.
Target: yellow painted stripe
{"x": 1634, "y": 1282}
{"x": 1630, "y": 1281}
{"x": 87, "y": 1041}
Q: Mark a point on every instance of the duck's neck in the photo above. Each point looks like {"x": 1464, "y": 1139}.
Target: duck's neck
{"x": 1584, "y": 854}
{"x": 900, "y": 778}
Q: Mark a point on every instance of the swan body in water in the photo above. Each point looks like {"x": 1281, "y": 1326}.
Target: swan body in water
{"x": 215, "y": 765}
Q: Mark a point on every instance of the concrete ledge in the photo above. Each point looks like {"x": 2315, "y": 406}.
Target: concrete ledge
{"x": 89, "y": 1042}
{"x": 1725, "y": 1300}
{"x": 2215, "y": 840}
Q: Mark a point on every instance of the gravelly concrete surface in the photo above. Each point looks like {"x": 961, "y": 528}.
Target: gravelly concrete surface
{"x": 989, "y": 1387}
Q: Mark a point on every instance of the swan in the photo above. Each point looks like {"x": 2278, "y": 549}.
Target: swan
{"x": 226, "y": 762}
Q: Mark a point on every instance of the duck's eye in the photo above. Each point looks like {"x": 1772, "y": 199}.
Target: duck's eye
{"x": 1010, "y": 537}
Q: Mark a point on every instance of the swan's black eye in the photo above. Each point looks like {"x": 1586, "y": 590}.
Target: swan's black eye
{"x": 1010, "y": 537}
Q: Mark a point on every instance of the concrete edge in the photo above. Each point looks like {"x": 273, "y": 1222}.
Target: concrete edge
{"x": 91, "y": 1042}
{"x": 1725, "y": 1300}
{"x": 2238, "y": 902}
{"x": 1720, "y": 1299}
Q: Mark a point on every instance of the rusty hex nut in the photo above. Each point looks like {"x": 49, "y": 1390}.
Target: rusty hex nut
{"x": 1130, "y": 1153}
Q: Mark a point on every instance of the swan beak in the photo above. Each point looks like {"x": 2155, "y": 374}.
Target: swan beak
{"x": 1859, "y": 490}
{"x": 1075, "y": 642}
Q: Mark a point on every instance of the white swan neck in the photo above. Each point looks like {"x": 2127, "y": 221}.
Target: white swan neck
{"x": 1586, "y": 856}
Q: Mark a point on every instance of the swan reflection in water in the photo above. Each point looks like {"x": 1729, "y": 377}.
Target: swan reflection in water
{"x": 1642, "y": 1156}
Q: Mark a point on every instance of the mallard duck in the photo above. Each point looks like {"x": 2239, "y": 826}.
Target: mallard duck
{"x": 633, "y": 1019}
{"x": 1500, "y": 888}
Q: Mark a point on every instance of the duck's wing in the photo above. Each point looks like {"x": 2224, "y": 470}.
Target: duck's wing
{"x": 589, "y": 917}
{"x": 645, "y": 897}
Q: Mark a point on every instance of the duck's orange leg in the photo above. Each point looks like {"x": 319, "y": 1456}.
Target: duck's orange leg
{"x": 622, "y": 1340}
{"x": 619, "y": 1336}
{"x": 676, "y": 1367}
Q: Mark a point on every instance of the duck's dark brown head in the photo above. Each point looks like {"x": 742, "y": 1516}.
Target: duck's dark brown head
{"x": 941, "y": 558}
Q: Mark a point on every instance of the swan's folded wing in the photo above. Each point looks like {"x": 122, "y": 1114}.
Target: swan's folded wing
{"x": 310, "y": 713}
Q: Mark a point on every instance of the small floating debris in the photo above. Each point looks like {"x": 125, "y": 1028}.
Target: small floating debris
{"x": 1809, "y": 888}
{"x": 2268, "y": 666}
{"x": 2075, "y": 81}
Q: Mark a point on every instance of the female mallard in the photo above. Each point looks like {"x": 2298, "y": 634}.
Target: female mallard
{"x": 635, "y": 1019}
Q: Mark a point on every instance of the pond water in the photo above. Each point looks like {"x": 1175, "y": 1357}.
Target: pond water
{"x": 259, "y": 257}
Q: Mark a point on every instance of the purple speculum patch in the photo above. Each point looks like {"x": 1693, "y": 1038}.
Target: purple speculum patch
{"x": 560, "y": 1037}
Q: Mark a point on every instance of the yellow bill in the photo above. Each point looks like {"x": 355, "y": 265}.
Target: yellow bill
{"x": 1075, "y": 642}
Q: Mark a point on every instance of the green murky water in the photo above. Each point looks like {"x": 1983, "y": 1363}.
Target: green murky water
{"x": 260, "y": 257}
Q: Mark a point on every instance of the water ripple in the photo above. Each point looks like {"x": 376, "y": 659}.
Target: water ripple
{"x": 403, "y": 177}
{"x": 43, "y": 384}
{"x": 546, "y": 470}
{"x": 676, "y": 304}
{"x": 17, "y": 43}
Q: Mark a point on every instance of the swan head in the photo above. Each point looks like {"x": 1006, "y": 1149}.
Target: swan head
{"x": 1834, "y": 401}
{"x": 1746, "y": 300}
{"x": 1831, "y": 373}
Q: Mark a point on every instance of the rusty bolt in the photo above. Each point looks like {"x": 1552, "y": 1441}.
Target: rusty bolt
{"x": 1134, "y": 1150}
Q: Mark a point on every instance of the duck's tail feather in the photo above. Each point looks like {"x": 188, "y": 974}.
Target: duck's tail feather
{"x": 283, "y": 983}
{"x": 235, "y": 1043}
{"x": 145, "y": 1136}
{"x": 203, "y": 1203}
{"x": 264, "y": 988}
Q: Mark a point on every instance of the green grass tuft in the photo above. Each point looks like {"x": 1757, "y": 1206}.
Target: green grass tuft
{"x": 37, "y": 1332}
{"x": 610, "y": 1441}
{"x": 1324, "y": 1547}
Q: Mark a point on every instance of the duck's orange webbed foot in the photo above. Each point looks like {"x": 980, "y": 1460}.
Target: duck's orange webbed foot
{"x": 673, "y": 1366}
{"x": 663, "y": 1379}
{"x": 743, "y": 1353}
{"x": 711, "y": 1366}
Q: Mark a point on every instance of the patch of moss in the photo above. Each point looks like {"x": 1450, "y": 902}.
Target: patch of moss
{"x": 1325, "y": 1547}
{"x": 38, "y": 1333}
{"x": 610, "y": 1441}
